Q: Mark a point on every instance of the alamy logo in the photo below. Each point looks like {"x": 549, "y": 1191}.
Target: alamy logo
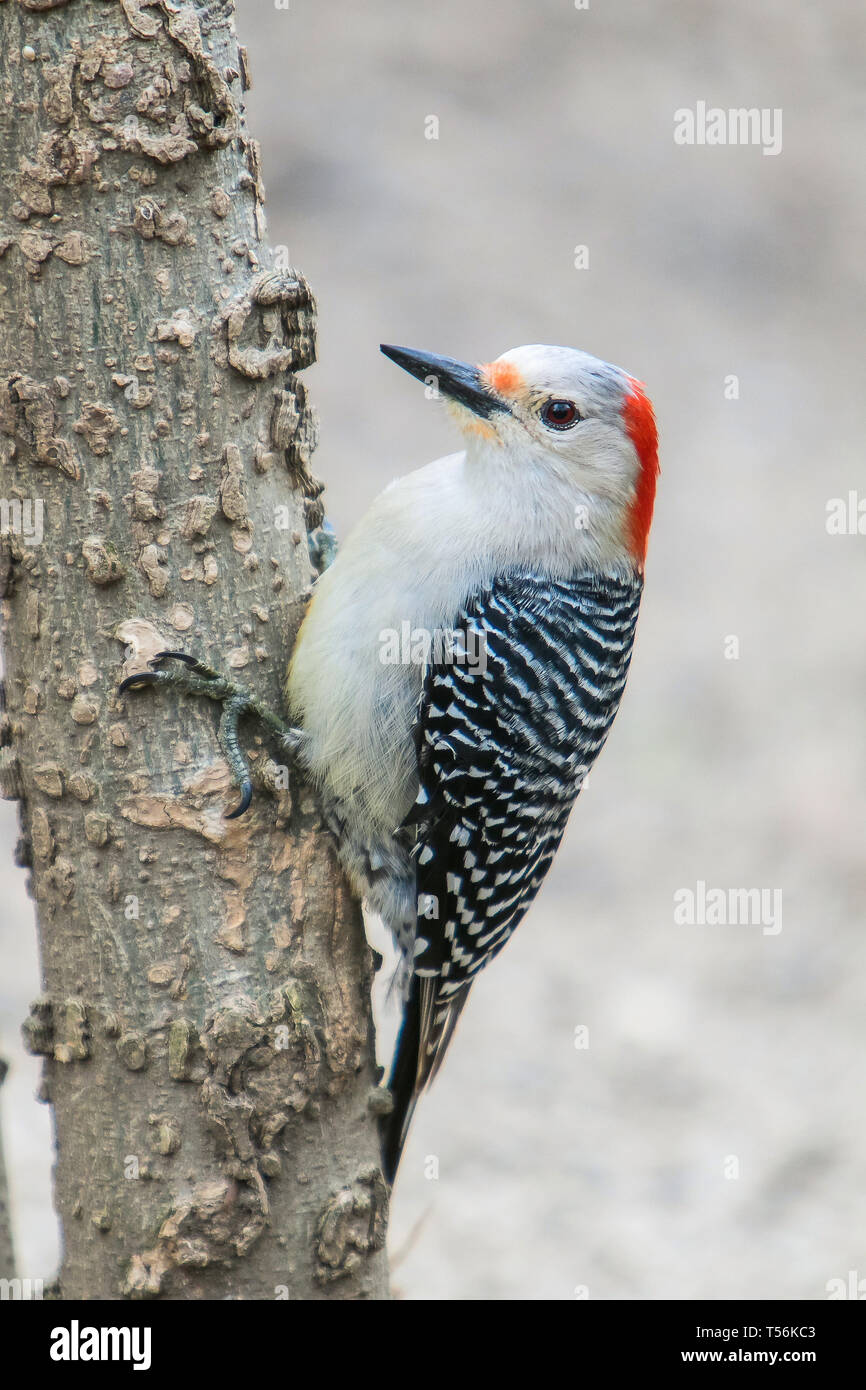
{"x": 712, "y": 125}
{"x": 21, "y": 1289}
{"x": 22, "y": 519}
{"x": 853, "y": 1287}
{"x": 846, "y": 517}
{"x": 735, "y": 907}
{"x": 418, "y": 646}
{"x": 77, "y": 1343}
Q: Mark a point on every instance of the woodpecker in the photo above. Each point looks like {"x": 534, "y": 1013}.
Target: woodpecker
{"x": 461, "y": 663}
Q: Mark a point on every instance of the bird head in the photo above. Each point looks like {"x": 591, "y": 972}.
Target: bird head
{"x": 561, "y": 413}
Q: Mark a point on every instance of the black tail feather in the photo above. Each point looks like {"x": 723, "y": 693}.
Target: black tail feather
{"x": 427, "y": 1029}
{"x": 403, "y": 1084}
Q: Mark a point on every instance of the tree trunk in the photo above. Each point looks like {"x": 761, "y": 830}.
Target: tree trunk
{"x": 7, "y": 1249}
{"x": 206, "y": 1022}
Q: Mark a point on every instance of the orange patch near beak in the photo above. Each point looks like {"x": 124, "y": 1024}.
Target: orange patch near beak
{"x": 471, "y": 424}
{"x": 483, "y": 431}
{"x": 502, "y": 377}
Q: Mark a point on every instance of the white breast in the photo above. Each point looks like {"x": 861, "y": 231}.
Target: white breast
{"x": 428, "y": 542}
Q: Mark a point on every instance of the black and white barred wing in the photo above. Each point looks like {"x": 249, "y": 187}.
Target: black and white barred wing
{"x": 506, "y": 732}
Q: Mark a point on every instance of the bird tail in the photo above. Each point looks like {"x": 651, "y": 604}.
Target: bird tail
{"x": 427, "y": 1028}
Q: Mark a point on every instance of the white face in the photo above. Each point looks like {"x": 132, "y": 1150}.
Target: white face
{"x": 564, "y": 412}
{"x": 559, "y": 441}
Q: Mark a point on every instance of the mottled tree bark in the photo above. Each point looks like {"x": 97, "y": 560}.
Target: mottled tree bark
{"x": 205, "y": 1023}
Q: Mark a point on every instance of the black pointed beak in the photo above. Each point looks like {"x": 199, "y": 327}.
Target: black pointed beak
{"x": 460, "y": 381}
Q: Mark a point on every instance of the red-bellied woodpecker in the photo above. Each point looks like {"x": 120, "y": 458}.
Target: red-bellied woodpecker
{"x": 461, "y": 663}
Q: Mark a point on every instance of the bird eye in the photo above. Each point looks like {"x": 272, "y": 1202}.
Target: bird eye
{"x": 559, "y": 415}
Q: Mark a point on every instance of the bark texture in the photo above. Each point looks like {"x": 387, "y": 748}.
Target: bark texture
{"x": 205, "y": 1023}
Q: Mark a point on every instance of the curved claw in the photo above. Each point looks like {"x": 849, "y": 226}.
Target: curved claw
{"x": 246, "y": 798}
{"x": 176, "y": 656}
{"x": 140, "y": 678}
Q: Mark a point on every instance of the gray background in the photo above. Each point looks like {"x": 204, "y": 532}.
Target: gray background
{"x": 713, "y": 1049}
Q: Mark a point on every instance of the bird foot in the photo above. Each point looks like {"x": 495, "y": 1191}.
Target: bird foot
{"x": 194, "y": 677}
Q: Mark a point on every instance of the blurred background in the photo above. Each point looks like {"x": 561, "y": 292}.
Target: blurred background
{"x": 710, "y": 1140}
